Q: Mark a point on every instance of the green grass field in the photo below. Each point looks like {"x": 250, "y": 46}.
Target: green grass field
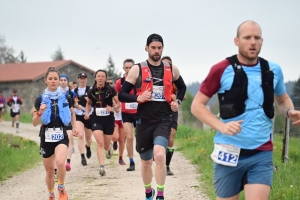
{"x": 197, "y": 146}
{"x": 16, "y": 155}
{"x": 24, "y": 117}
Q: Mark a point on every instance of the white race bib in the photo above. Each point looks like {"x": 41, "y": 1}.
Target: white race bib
{"x": 15, "y": 108}
{"x": 54, "y": 135}
{"x": 102, "y": 112}
{"x": 158, "y": 93}
{"x": 131, "y": 106}
{"x": 1, "y": 105}
{"x": 226, "y": 154}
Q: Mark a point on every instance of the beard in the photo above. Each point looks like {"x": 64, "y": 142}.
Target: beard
{"x": 155, "y": 57}
{"x": 248, "y": 56}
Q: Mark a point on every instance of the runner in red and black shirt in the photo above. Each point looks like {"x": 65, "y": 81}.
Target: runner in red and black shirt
{"x": 15, "y": 103}
{"x": 128, "y": 115}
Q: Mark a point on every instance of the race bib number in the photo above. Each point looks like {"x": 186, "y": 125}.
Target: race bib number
{"x": 131, "y": 106}
{"x": 54, "y": 135}
{"x": 102, "y": 112}
{"x": 15, "y": 108}
{"x": 158, "y": 93}
{"x": 1, "y": 105}
{"x": 225, "y": 154}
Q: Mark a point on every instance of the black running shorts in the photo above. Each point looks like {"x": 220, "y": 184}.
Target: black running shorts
{"x": 105, "y": 124}
{"x": 174, "y": 120}
{"x": 129, "y": 117}
{"x": 87, "y": 123}
{"x": 47, "y": 149}
{"x": 12, "y": 114}
{"x": 147, "y": 130}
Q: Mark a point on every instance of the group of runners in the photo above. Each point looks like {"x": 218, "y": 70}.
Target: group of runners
{"x": 65, "y": 112}
{"x": 145, "y": 103}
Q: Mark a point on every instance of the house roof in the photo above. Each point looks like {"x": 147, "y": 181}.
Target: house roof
{"x": 31, "y": 71}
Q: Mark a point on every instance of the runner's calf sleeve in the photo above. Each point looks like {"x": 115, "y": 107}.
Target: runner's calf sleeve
{"x": 17, "y": 124}
{"x": 124, "y": 95}
{"x": 181, "y": 88}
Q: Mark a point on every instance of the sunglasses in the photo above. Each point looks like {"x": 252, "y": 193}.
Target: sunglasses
{"x": 110, "y": 83}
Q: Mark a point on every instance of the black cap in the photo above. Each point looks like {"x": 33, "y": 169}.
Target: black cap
{"x": 154, "y": 38}
{"x": 82, "y": 74}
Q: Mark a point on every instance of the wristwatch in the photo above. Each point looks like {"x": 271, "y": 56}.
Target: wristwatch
{"x": 178, "y": 101}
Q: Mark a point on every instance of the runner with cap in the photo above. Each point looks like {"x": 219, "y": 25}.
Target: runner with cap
{"x": 153, "y": 81}
{"x": 15, "y": 103}
{"x": 84, "y": 126}
{"x": 2, "y": 106}
{"x": 128, "y": 114}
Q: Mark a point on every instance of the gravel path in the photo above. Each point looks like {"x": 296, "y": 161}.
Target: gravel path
{"x": 84, "y": 182}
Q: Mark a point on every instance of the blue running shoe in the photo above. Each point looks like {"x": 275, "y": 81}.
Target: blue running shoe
{"x": 151, "y": 198}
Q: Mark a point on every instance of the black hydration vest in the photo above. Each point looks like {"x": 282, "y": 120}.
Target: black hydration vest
{"x": 232, "y": 102}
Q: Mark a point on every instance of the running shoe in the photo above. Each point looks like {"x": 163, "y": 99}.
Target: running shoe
{"x": 68, "y": 166}
{"x": 169, "y": 172}
{"x": 88, "y": 152}
{"x": 131, "y": 167}
{"x": 51, "y": 198}
{"x": 109, "y": 153}
{"x": 102, "y": 171}
{"x": 62, "y": 194}
{"x": 83, "y": 161}
{"x": 12, "y": 125}
{"x": 121, "y": 162}
{"x": 151, "y": 198}
{"x": 115, "y": 145}
{"x": 17, "y": 130}
{"x": 55, "y": 177}
{"x": 160, "y": 198}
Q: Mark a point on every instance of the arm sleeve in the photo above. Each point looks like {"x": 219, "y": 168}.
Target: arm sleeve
{"x": 124, "y": 95}
{"x": 37, "y": 103}
{"x": 181, "y": 88}
{"x": 9, "y": 101}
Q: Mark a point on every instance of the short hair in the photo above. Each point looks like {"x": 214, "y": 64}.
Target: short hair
{"x": 109, "y": 78}
{"x": 74, "y": 82}
{"x": 128, "y": 60}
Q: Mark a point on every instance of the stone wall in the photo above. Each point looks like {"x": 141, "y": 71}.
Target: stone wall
{"x": 73, "y": 70}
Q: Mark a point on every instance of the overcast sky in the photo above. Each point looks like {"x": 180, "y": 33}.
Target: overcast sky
{"x": 196, "y": 33}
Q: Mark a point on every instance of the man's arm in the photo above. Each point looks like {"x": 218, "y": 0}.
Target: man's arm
{"x": 286, "y": 107}
{"x": 128, "y": 84}
{"x": 199, "y": 110}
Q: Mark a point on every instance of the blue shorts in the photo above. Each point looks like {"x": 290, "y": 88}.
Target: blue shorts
{"x": 256, "y": 169}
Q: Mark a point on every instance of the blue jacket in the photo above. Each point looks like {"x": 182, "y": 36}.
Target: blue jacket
{"x": 64, "y": 112}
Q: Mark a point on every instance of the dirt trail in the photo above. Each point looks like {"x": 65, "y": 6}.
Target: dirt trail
{"x": 84, "y": 182}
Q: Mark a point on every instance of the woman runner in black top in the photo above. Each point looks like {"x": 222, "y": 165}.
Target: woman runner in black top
{"x": 101, "y": 97}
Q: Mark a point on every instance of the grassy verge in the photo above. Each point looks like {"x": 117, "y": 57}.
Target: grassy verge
{"x": 24, "y": 117}
{"x": 17, "y": 154}
{"x": 197, "y": 146}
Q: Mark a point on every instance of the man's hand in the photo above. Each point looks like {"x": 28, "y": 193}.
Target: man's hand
{"x": 232, "y": 128}
{"x": 146, "y": 96}
{"x": 174, "y": 106}
{"x": 294, "y": 116}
